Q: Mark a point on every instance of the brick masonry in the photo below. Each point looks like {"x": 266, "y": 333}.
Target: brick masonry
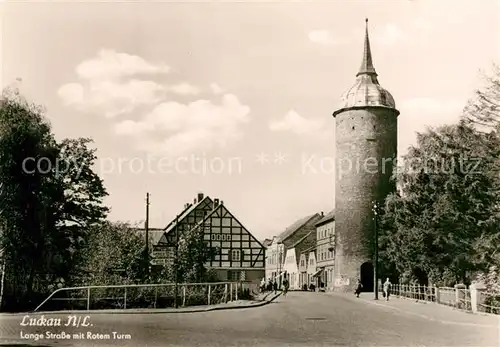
{"x": 366, "y": 146}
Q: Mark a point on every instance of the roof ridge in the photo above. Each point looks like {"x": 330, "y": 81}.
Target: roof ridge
{"x": 283, "y": 236}
{"x": 180, "y": 217}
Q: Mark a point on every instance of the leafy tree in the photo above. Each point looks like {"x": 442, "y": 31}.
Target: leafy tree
{"x": 113, "y": 255}
{"x": 24, "y": 134}
{"x": 50, "y": 198}
{"x": 447, "y": 202}
{"x": 192, "y": 256}
{"x": 484, "y": 108}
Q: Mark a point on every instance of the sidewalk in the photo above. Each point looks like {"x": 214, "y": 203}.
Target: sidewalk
{"x": 428, "y": 310}
{"x": 260, "y": 300}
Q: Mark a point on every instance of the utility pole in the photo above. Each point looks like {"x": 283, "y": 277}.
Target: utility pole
{"x": 375, "y": 263}
{"x": 146, "y": 226}
{"x": 175, "y": 259}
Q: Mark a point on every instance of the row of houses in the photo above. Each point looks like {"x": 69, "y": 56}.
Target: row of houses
{"x": 304, "y": 253}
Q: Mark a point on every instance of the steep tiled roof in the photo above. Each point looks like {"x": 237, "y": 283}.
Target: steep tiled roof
{"x": 294, "y": 227}
{"x": 302, "y": 238}
{"x": 329, "y": 217}
{"x": 184, "y": 213}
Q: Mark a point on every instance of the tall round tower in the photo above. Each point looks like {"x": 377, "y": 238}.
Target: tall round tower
{"x": 366, "y": 145}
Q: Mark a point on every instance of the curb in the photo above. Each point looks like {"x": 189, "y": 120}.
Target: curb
{"x": 150, "y": 311}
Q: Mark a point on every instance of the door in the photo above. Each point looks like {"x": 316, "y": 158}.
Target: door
{"x": 367, "y": 276}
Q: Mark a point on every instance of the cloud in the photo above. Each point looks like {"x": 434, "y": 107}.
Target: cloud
{"x": 216, "y": 89}
{"x": 200, "y": 124}
{"x": 295, "y": 123}
{"x": 110, "y": 64}
{"x": 184, "y": 89}
{"x": 110, "y": 85}
{"x": 111, "y": 98}
{"x": 322, "y": 37}
{"x": 114, "y": 83}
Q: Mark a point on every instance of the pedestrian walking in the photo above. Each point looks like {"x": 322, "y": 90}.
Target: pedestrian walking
{"x": 387, "y": 288}
{"x": 285, "y": 286}
{"x": 359, "y": 286}
{"x": 275, "y": 286}
{"x": 263, "y": 285}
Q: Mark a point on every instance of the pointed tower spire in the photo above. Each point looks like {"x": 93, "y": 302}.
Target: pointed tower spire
{"x": 367, "y": 64}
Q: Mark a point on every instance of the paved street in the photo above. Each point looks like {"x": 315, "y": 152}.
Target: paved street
{"x": 300, "y": 319}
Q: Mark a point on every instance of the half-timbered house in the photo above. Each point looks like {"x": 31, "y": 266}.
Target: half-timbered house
{"x": 235, "y": 253}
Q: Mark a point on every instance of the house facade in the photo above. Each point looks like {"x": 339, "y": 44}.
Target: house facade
{"x": 307, "y": 267}
{"x": 291, "y": 269}
{"x": 311, "y": 268}
{"x": 325, "y": 251}
{"x": 235, "y": 254}
{"x": 296, "y": 238}
{"x": 274, "y": 259}
{"x": 300, "y": 247}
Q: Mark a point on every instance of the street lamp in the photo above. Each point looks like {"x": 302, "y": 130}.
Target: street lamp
{"x": 375, "y": 263}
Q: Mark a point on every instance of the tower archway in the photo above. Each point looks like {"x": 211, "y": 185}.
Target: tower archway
{"x": 366, "y": 272}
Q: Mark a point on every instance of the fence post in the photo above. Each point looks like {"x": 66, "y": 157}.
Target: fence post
{"x": 438, "y": 297}
{"x": 88, "y": 298}
{"x": 475, "y": 295}
{"x": 236, "y": 291}
{"x": 459, "y": 294}
{"x": 125, "y": 299}
{"x": 225, "y": 294}
{"x": 209, "y": 291}
{"x": 184, "y": 295}
{"x": 231, "y": 291}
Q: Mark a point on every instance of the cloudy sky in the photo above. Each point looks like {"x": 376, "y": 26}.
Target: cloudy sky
{"x": 235, "y": 99}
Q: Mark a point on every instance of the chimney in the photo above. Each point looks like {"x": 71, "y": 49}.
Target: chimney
{"x": 322, "y": 214}
{"x": 194, "y": 201}
{"x": 216, "y": 202}
{"x": 222, "y": 202}
{"x": 200, "y": 197}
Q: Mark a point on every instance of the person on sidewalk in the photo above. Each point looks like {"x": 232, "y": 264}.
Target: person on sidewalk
{"x": 270, "y": 285}
{"x": 263, "y": 285}
{"x": 387, "y": 288}
{"x": 359, "y": 286}
{"x": 285, "y": 286}
{"x": 275, "y": 286}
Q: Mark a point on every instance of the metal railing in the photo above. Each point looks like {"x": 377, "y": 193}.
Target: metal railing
{"x": 489, "y": 303}
{"x": 143, "y": 296}
{"x": 459, "y": 298}
{"x": 415, "y": 292}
